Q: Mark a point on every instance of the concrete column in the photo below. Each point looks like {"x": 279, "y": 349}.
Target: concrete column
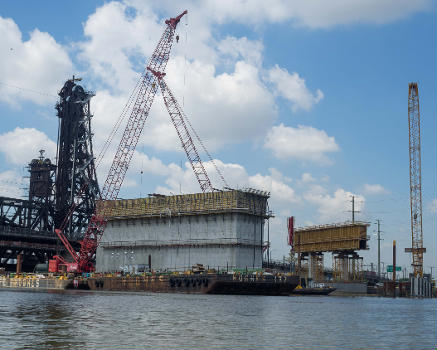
{"x": 310, "y": 265}
{"x": 345, "y": 268}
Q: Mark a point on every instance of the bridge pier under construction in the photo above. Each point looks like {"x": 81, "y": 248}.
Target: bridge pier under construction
{"x": 220, "y": 230}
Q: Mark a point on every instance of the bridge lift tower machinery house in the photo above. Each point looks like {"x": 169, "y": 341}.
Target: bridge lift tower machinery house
{"x": 139, "y": 105}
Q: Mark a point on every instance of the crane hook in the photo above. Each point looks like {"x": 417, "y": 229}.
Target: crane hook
{"x": 177, "y": 38}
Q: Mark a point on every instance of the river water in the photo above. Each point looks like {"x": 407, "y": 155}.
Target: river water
{"x": 88, "y": 320}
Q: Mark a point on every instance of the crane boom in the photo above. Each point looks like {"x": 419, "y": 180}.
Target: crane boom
{"x": 140, "y": 111}
{"x": 177, "y": 118}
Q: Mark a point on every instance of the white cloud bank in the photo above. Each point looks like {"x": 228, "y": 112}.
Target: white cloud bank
{"x": 39, "y": 64}
{"x": 22, "y": 144}
{"x": 11, "y": 184}
{"x": 312, "y": 14}
{"x": 304, "y": 143}
{"x": 334, "y": 207}
{"x": 178, "y": 178}
{"x": 293, "y": 88}
{"x": 374, "y": 189}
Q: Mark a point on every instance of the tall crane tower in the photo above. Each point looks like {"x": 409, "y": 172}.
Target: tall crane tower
{"x": 417, "y": 248}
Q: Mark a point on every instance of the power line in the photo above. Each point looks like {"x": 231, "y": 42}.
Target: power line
{"x": 28, "y": 90}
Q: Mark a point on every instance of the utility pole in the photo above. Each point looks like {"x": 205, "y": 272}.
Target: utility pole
{"x": 394, "y": 261}
{"x": 353, "y": 209}
{"x": 379, "y": 248}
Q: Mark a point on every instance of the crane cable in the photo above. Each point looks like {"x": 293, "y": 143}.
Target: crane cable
{"x": 206, "y": 151}
{"x": 119, "y": 121}
{"x": 28, "y": 90}
{"x": 185, "y": 58}
{"x": 186, "y": 118}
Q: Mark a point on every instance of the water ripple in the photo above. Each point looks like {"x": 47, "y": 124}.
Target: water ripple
{"x": 57, "y": 321}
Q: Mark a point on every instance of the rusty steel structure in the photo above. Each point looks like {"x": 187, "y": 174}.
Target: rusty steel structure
{"x": 417, "y": 248}
{"x": 27, "y": 226}
{"x": 76, "y": 180}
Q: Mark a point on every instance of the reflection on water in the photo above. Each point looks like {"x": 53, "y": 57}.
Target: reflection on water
{"x": 81, "y": 320}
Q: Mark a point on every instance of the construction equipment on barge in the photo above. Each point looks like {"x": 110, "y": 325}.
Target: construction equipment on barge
{"x": 141, "y": 100}
{"x": 212, "y": 282}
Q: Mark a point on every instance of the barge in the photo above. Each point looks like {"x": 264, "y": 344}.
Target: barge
{"x": 165, "y": 283}
{"x": 36, "y": 282}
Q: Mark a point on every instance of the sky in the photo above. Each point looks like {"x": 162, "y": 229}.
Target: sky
{"x": 304, "y": 99}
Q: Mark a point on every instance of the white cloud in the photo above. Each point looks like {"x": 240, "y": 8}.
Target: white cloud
{"x": 242, "y": 48}
{"x": 22, "y": 144}
{"x": 114, "y": 37}
{"x": 304, "y": 143}
{"x": 232, "y": 106}
{"x": 322, "y": 14}
{"x": 11, "y": 184}
{"x": 278, "y": 189}
{"x": 374, "y": 189}
{"x": 223, "y": 108}
{"x": 149, "y": 165}
{"x": 293, "y": 88}
{"x": 432, "y": 206}
{"x": 333, "y": 207}
{"x": 313, "y": 14}
{"x": 39, "y": 64}
{"x": 236, "y": 176}
{"x": 307, "y": 177}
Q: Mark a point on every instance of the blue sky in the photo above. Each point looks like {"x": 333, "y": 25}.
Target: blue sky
{"x": 307, "y": 100}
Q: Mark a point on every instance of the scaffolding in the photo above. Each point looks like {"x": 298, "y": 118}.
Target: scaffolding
{"x": 316, "y": 264}
{"x": 254, "y": 203}
{"x": 347, "y": 266}
{"x": 328, "y": 238}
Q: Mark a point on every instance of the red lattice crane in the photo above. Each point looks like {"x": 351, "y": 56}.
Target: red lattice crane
{"x": 177, "y": 118}
{"x": 141, "y": 106}
{"x": 145, "y": 93}
{"x": 417, "y": 248}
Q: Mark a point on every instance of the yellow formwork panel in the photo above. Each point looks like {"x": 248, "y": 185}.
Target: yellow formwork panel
{"x": 184, "y": 204}
{"x": 338, "y": 237}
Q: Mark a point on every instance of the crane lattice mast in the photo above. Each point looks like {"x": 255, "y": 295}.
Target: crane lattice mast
{"x": 177, "y": 118}
{"x": 416, "y": 249}
{"x": 140, "y": 111}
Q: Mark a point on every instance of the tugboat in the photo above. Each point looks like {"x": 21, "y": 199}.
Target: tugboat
{"x": 320, "y": 289}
